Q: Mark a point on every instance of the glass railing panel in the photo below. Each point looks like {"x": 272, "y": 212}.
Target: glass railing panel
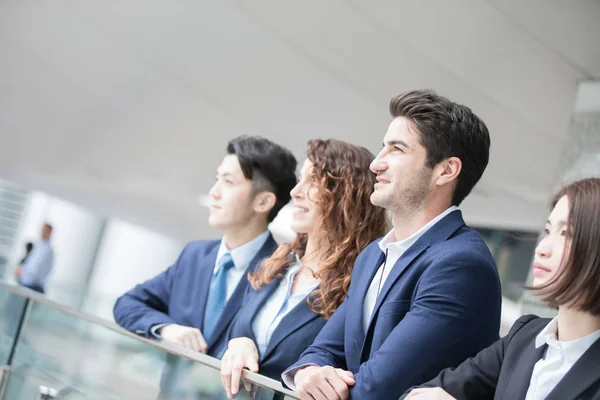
{"x": 12, "y": 308}
{"x": 59, "y": 350}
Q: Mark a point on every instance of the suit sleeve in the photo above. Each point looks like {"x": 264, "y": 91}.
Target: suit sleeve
{"x": 455, "y": 307}
{"x": 477, "y": 377}
{"x": 147, "y": 304}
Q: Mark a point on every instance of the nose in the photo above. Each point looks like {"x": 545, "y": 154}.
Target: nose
{"x": 214, "y": 191}
{"x": 544, "y": 248}
{"x": 296, "y": 192}
{"x": 378, "y": 165}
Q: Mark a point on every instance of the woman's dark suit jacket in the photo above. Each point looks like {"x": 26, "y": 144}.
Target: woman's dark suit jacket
{"x": 503, "y": 370}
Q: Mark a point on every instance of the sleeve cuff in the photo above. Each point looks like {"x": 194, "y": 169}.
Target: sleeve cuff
{"x": 155, "y": 328}
{"x": 289, "y": 375}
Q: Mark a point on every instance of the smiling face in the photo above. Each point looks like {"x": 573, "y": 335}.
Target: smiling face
{"x": 553, "y": 245}
{"x": 403, "y": 178}
{"x": 305, "y": 197}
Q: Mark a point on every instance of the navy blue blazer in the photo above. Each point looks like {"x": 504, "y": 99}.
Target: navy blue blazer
{"x": 178, "y": 295}
{"x": 439, "y": 305}
{"x": 293, "y": 335}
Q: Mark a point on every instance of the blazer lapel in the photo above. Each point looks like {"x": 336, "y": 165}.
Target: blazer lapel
{"x": 580, "y": 377}
{"x": 519, "y": 382}
{"x": 206, "y": 264}
{"x": 442, "y": 230}
{"x": 354, "y": 326}
{"x": 255, "y": 302}
{"x": 233, "y": 304}
{"x": 294, "y": 320}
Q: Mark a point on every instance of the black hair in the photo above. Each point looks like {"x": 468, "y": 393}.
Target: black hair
{"x": 270, "y": 167}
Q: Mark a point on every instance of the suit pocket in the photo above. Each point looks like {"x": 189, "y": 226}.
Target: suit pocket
{"x": 394, "y": 307}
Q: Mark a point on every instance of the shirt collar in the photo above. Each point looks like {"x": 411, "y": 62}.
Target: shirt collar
{"x": 548, "y": 334}
{"x": 289, "y": 280}
{"x": 243, "y": 255}
{"x": 389, "y": 241}
{"x": 571, "y": 350}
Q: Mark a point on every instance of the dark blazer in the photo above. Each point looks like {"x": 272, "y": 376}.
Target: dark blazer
{"x": 293, "y": 335}
{"x": 503, "y": 370}
{"x": 439, "y": 305}
{"x": 178, "y": 295}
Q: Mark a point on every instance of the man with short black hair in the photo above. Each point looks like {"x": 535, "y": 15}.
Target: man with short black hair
{"x": 193, "y": 302}
{"x": 428, "y": 293}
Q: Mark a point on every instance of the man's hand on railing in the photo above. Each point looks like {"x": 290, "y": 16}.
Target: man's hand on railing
{"x": 429, "y": 394}
{"x": 329, "y": 383}
{"x": 241, "y": 353}
{"x": 185, "y": 336}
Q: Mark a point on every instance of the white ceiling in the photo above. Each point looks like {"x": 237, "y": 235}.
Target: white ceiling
{"x": 125, "y": 107}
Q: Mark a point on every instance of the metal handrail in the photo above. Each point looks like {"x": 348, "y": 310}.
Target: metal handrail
{"x": 166, "y": 346}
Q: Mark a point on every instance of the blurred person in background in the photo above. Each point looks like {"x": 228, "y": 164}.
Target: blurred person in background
{"x": 297, "y": 289}
{"x": 28, "y": 248}
{"x": 541, "y": 358}
{"x": 36, "y": 266}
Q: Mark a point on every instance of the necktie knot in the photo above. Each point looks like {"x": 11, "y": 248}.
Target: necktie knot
{"x": 226, "y": 262}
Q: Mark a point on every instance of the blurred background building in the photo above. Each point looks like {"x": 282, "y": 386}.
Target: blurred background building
{"x": 114, "y": 114}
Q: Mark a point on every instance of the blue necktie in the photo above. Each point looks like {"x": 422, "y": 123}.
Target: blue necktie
{"x": 217, "y": 295}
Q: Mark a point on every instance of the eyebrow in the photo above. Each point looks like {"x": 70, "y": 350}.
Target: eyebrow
{"x": 558, "y": 223}
{"x": 397, "y": 142}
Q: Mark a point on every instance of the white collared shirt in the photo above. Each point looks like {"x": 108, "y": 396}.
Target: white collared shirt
{"x": 242, "y": 256}
{"x": 279, "y": 304}
{"x": 394, "y": 252}
{"x": 558, "y": 360}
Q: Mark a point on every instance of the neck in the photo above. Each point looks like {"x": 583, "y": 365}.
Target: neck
{"x": 408, "y": 222}
{"x": 239, "y": 235}
{"x": 575, "y": 324}
{"x": 314, "y": 253}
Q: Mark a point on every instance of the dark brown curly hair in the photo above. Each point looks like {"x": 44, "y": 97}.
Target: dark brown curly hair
{"x": 346, "y": 215}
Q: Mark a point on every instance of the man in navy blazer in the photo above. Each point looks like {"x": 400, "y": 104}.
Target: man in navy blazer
{"x": 193, "y": 302}
{"x": 427, "y": 295}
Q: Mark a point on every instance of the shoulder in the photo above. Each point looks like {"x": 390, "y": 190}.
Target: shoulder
{"x": 465, "y": 239}
{"x": 465, "y": 248}
{"x": 529, "y": 325}
{"x": 198, "y": 245}
{"x": 198, "y": 248}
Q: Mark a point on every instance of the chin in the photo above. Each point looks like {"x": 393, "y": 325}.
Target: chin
{"x": 537, "y": 282}
{"x": 299, "y": 228}
{"x": 377, "y": 199}
{"x": 214, "y": 222}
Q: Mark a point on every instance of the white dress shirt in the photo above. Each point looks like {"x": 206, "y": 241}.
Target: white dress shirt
{"x": 393, "y": 251}
{"x": 279, "y": 304}
{"x": 558, "y": 360}
{"x": 242, "y": 256}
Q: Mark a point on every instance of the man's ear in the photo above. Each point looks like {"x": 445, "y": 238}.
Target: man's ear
{"x": 263, "y": 202}
{"x": 448, "y": 171}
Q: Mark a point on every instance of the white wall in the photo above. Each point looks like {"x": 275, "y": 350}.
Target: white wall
{"x": 75, "y": 237}
{"x": 128, "y": 255}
